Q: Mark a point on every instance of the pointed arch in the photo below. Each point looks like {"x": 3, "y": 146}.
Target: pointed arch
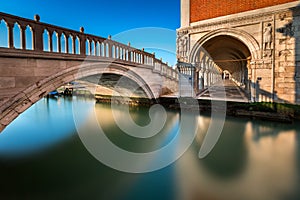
{"x": 71, "y": 45}
{"x": 63, "y": 43}
{"x": 87, "y": 47}
{"x": 55, "y": 41}
{"x": 46, "y": 40}
{"x": 17, "y": 36}
{"x": 29, "y": 38}
{"x": 3, "y": 34}
{"x": 77, "y": 45}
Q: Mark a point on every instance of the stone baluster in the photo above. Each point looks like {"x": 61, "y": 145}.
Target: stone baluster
{"x": 59, "y": 42}
{"x": 133, "y": 56}
{"x": 114, "y": 51}
{"x": 143, "y": 56}
{"x": 109, "y": 50}
{"x": 10, "y": 27}
{"x": 129, "y": 55}
{"x": 67, "y": 36}
{"x": 91, "y": 45}
{"x": 23, "y": 36}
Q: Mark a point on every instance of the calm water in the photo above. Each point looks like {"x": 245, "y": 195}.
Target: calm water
{"x": 42, "y": 157}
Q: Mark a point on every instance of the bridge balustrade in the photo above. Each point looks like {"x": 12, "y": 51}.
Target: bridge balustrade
{"x": 48, "y": 38}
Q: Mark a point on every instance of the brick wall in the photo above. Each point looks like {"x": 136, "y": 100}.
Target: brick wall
{"x": 206, "y": 9}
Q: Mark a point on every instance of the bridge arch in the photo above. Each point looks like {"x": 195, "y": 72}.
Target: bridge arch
{"x": 22, "y": 101}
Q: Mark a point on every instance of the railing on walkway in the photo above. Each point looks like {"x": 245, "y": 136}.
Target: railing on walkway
{"x": 196, "y": 77}
{"x": 41, "y": 37}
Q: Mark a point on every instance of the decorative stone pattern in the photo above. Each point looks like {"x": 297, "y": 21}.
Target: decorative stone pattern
{"x": 271, "y": 34}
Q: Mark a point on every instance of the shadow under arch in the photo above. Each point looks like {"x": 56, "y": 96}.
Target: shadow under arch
{"x": 25, "y": 99}
{"x": 243, "y": 36}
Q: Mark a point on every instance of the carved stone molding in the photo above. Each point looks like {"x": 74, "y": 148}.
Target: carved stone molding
{"x": 285, "y": 52}
{"x": 267, "y": 53}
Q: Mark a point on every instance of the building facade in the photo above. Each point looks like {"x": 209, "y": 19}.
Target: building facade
{"x": 254, "y": 42}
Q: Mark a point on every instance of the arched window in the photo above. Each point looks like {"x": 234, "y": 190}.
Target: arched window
{"x": 77, "y": 45}
{"x": 46, "y": 40}
{"x": 3, "y": 34}
{"x": 17, "y": 36}
{"x": 87, "y": 47}
{"x": 29, "y": 38}
{"x": 63, "y": 43}
{"x": 70, "y": 43}
{"x": 92, "y": 48}
{"x": 55, "y": 42}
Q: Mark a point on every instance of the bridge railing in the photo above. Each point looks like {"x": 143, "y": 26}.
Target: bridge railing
{"x": 41, "y": 37}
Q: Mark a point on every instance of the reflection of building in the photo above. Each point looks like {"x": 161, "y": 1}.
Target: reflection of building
{"x": 257, "y": 46}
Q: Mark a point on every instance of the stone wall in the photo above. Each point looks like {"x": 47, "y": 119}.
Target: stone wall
{"x": 206, "y": 9}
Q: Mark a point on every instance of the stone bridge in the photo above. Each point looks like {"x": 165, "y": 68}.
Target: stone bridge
{"x": 37, "y": 58}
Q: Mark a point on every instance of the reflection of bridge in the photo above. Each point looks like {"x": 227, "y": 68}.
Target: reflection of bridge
{"x": 39, "y": 58}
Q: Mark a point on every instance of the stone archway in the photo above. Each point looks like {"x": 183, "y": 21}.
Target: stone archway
{"x": 240, "y": 35}
{"x": 231, "y": 50}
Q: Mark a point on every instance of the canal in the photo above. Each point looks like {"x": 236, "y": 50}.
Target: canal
{"x": 42, "y": 156}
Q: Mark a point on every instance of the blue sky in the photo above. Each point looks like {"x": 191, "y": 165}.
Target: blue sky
{"x": 125, "y": 20}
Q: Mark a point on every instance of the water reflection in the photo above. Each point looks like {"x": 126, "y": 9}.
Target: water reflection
{"x": 46, "y": 123}
{"x": 252, "y": 160}
{"x": 247, "y": 163}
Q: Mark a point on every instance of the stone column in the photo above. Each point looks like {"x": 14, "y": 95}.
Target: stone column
{"x": 59, "y": 42}
{"x": 109, "y": 50}
{"x": 10, "y": 27}
{"x": 23, "y": 36}
{"x": 142, "y": 57}
{"x": 129, "y": 55}
{"x": 82, "y": 41}
{"x": 37, "y": 34}
{"x": 67, "y": 43}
